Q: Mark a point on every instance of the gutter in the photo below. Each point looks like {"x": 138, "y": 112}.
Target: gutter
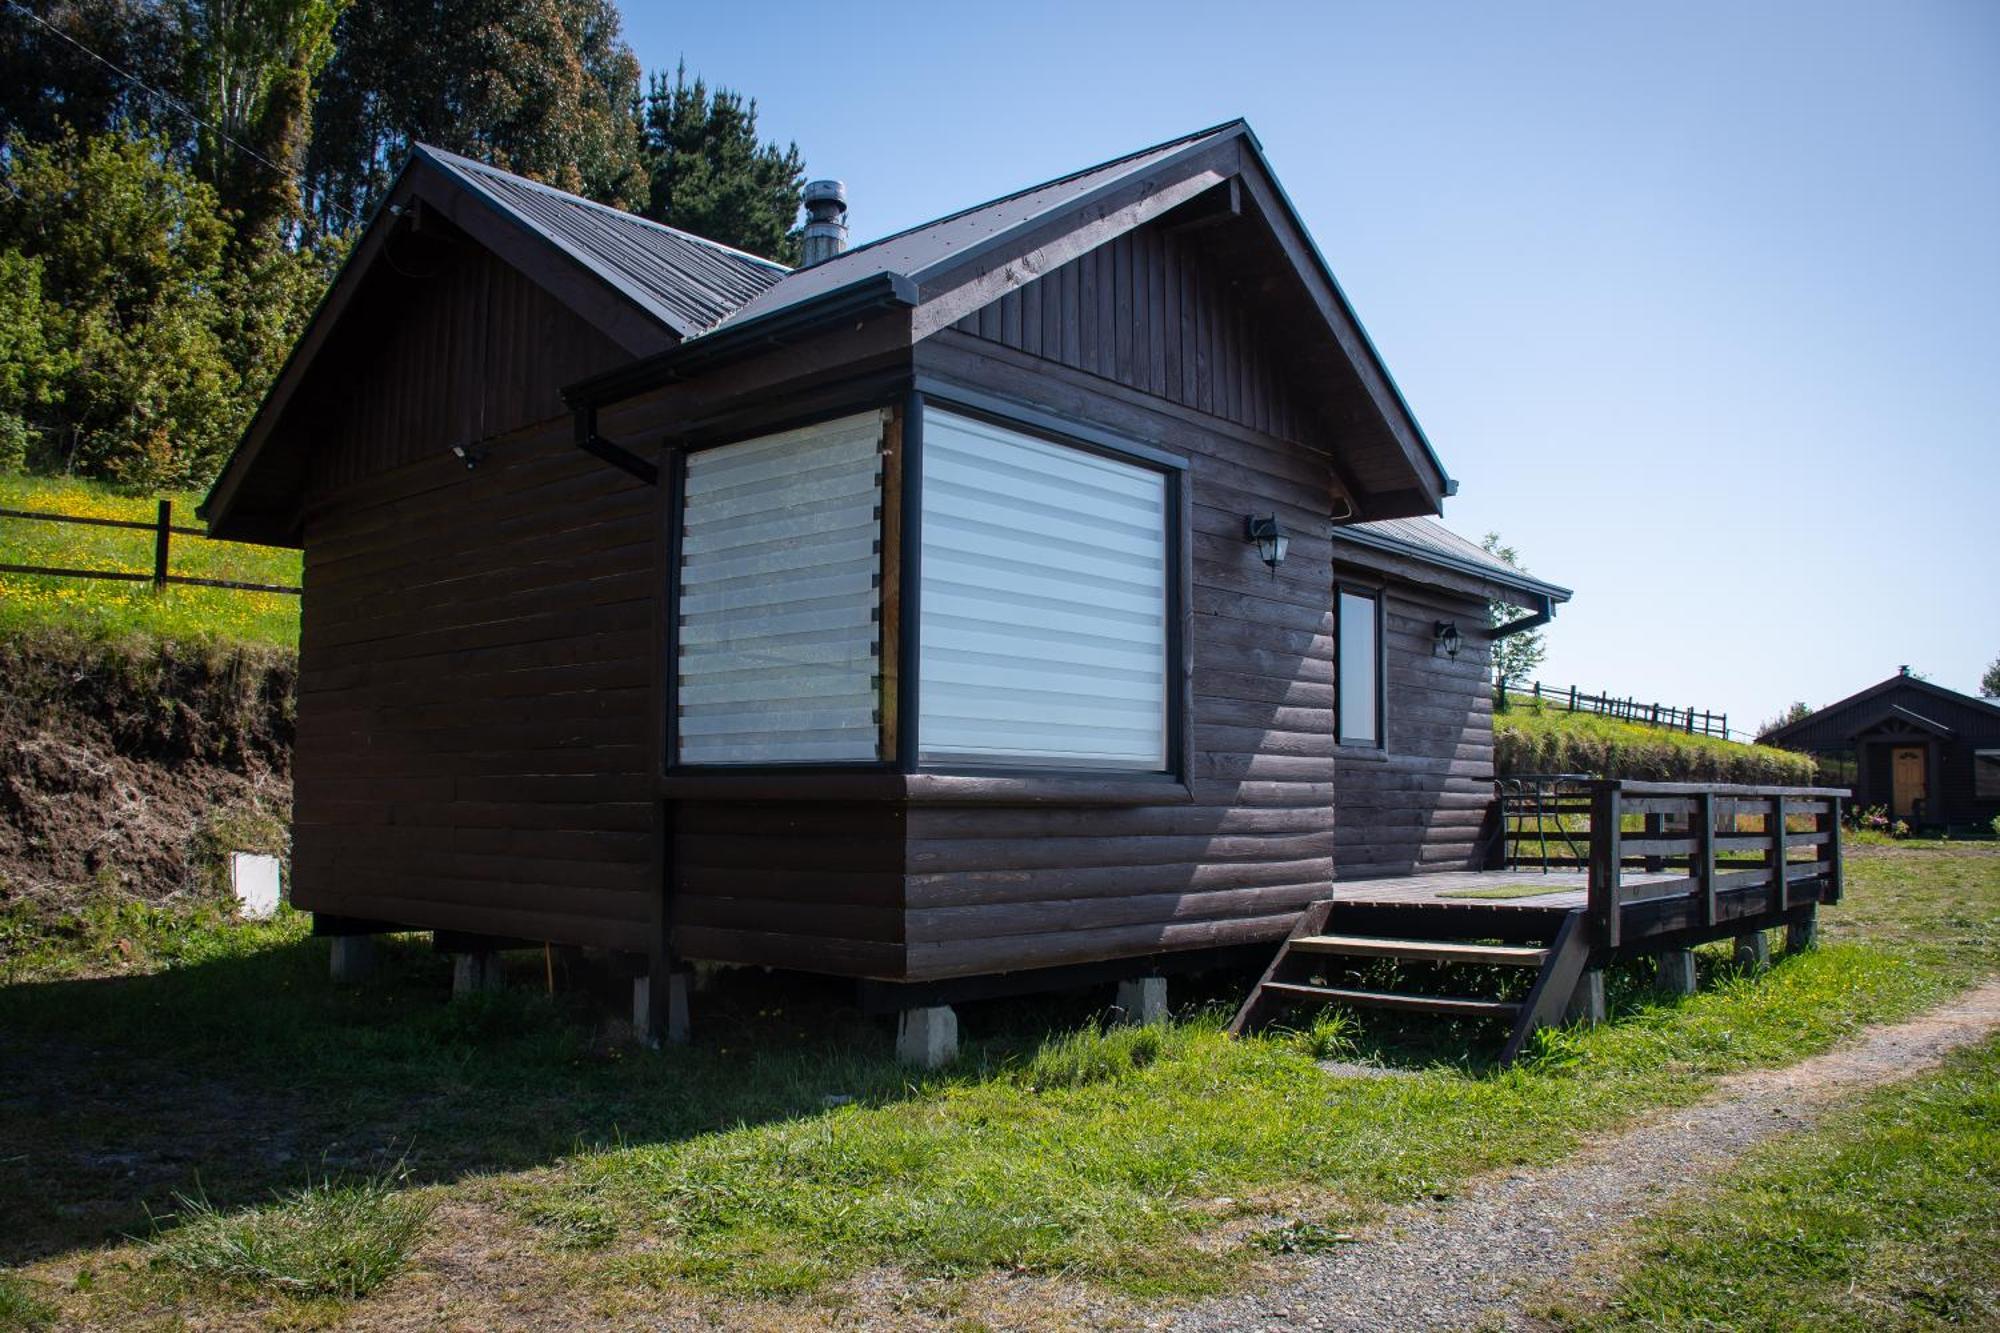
{"x": 1522, "y": 624}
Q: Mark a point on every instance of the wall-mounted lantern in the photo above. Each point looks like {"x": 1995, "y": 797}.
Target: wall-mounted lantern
{"x": 1271, "y": 538}
{"x": 468, "y": 455}
{"x": 1447, "y": 638}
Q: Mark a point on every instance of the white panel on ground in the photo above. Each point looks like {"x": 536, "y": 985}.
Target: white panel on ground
{"x": 1044, "y": 602}
{"x": 778, "y": 631}
{"x": 254, "y": 878}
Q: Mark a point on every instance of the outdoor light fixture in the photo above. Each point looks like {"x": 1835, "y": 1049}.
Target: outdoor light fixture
{"x": 467, "y": 455}
{"x": 1448, "y": 638}
{"x": 1271, "y": 538}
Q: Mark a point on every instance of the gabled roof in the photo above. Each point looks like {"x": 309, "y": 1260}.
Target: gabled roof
{"x": 922, "y": 252}
{"x": 1875, "y": 716}
{"x": 686, "y": 282}
{"x": 1428, "y": 540}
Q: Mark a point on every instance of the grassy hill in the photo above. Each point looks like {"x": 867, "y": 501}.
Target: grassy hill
{"x": 1533, "y": 738}
{"x": 103, "y": 608}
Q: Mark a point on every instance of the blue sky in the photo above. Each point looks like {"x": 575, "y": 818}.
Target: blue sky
{"x": 1700, "y": 302}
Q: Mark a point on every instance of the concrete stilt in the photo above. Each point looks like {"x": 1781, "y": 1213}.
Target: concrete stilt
{"x": 928, "y": 1037}
{"x": 1586, "y": 1004}
{"x": 1143, "y": 1000}
{"x": 664, "y": 1017}
{"x": 1753, "y": 951}
{"x": 1676, "y": 972}
{"x": 1803, "y": 935}
{"x": 472, "y": 972}
{"x": 353, "y": 958}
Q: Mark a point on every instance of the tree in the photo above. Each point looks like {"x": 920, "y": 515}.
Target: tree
{"x": 1798, "y": 712}
{"x": 130, "y": 347}
{"x": 1989, "y": 684}
{"x": 543, "y": 88}
{"x": 49, "y": 81}
{"x": 247, "y": 68}
{"x": 1517, "y": 656}
{"x": 711, "y": 176}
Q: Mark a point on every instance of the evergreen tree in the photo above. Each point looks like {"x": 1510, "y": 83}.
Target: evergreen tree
{"x": 1517, "y": 656}
{"x": 544, "y": 88}
{"x": 1989, "y": 684}
{"x": 711, "y": 176}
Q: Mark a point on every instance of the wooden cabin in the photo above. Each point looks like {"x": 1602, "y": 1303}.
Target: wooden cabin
{"x": 1924, "y": 753}
{"x": 1049, "y": 585}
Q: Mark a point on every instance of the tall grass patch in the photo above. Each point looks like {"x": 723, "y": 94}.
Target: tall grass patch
{"x": 325, "y": 1239}
{"x": 1533, "y": 738}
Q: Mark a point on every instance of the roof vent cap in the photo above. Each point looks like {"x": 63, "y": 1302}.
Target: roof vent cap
{"x": 826, "y": 222}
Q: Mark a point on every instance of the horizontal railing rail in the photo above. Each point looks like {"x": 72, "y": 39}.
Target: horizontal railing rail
{"x": 163, "y": 528}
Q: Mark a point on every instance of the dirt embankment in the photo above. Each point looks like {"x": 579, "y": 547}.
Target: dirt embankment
{"x": 132, "y": 767}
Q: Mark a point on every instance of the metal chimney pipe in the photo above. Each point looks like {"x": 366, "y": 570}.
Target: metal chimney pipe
{"x": 826, "y": 222}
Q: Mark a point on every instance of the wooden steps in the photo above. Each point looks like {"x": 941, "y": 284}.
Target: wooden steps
{"x": 1298, "y": 975}
{"x": 1426, "y": 951}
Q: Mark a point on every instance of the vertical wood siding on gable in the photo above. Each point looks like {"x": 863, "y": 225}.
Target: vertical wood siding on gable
{"x": 468, "y": 350}
{"x": 1152, "y": 311}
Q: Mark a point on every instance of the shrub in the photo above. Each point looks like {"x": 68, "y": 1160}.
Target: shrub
{"x": 1563, "y": 742}
{"x": 325, "y": 1239}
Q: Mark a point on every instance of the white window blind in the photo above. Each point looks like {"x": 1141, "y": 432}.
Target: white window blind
{"x": 1359, "y": 668}
{"x": 1043, "y": 602}
{"x": 778, "y": 634}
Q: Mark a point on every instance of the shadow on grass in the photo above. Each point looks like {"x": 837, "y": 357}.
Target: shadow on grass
{"x": 249, "y": 1074}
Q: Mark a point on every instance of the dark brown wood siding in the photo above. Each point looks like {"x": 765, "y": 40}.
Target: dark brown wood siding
{"x": 996, "y": 888}
{"x": 1421, "y": 802}
{"x": 476, "y": 646}
{"x": 1152, "y": 310}
{"x": 463, "y": 349}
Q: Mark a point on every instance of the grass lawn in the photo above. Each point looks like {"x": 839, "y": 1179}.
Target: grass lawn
{"x": 108, "y": 608}
{"x": 784, "y": 1154}
{"x": 1885, "y": 1217}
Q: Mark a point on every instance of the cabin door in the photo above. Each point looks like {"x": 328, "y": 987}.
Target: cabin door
{"x": 1907, "y": 779}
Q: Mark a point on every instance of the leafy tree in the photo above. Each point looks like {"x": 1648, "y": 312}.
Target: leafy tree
{"x": 1798, "y": 712}
{"x": 130, "y": 348}
{"x": 1989, "y": 684}
{"x": 247, "y": 68}
{"x": 544, "y": 88}
{"x": 711, "y": 176}
{"x": 49, "y": 80}
{"x": 1519, "y": 655}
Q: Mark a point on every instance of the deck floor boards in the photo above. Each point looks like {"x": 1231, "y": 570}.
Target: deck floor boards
{"x": 1565, "y": 888}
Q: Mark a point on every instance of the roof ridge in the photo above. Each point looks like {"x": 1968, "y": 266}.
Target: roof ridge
{"x": 452, "y": 159}
{"x": 1051, "y": 183}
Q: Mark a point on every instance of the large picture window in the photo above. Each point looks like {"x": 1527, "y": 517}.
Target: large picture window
{"x": 778, "y": 639}
{"x": 1358, "y": 667}
{"x": 1044, "y": 602}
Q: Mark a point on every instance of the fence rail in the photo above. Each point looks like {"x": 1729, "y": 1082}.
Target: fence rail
{"x": 163, "y": 528}
{"x": 1694, "y": 721}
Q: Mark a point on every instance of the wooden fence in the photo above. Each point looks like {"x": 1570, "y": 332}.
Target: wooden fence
{"x": 164, "y": 530}
{"x": 1692, "y": 720}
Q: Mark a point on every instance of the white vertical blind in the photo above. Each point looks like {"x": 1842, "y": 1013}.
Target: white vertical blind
{"x": 1359, "y": 668}
{"x": 778, "y": 632}
{"x": 1043, "y": 602}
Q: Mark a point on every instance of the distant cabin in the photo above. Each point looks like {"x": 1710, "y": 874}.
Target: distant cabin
{"x": 1926, "y": 754}
{"x": 1050, "y": 585}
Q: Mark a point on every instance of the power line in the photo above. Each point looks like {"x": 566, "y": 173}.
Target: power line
{"x": 171, "y": 101}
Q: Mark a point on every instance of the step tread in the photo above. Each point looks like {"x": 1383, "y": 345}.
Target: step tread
{"x": 1442, "y": 951}
{"x": 1466, "y": 1005}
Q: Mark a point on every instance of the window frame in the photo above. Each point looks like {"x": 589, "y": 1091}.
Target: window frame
{"x": 1049, "y": 429}
{"x": 1374, "y": 594}
{"x": 1979, "y": 753}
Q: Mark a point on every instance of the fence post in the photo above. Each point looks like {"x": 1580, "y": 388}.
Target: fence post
{"x": 1607, "y": 811}
{"x": 161, "y": 536}
{"x": 1572, "y": 698}
{"x": 1704, "y": 856}
{"x": 1781, "y": 877}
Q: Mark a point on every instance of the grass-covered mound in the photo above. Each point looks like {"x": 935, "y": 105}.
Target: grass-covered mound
{"x": 1533, "y": 738}
{"x": 104, "y": 608}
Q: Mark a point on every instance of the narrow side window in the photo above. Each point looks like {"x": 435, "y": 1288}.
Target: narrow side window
{"x": 1359, "y": 668}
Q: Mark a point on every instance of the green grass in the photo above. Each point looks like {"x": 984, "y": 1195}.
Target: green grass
{"x": 785, "y": 1150}
{"x": 104, "y": 608}
{"x": 1884, "y": 1217}
{"x": 1532, "y": 738}
{"x": 324, "y": 1239}
{"x": 21, "y": 1307}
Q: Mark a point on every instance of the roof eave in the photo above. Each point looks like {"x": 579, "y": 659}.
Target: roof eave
{"x": 1505, "y": 578}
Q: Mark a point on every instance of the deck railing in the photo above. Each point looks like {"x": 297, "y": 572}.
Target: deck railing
{"x": 1734, "y": 846}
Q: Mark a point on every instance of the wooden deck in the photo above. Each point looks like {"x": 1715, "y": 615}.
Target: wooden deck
{"x": 1540, "y": 890}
